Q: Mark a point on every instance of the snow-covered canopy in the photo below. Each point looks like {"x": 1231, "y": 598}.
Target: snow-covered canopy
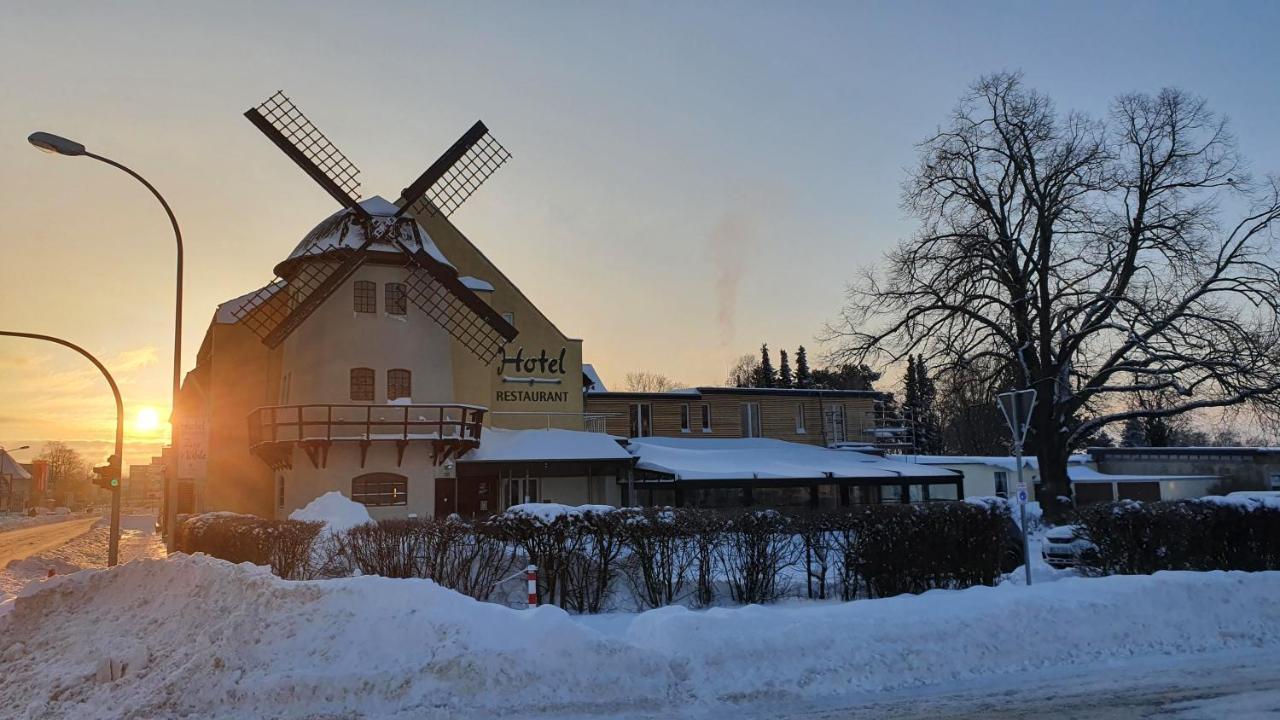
{"x": 1080, "y": 474}
{"x": 475, "y": 284}
{"x": 1005, "y": 462}
{"x": 765, "y": 458}
{"x": 498, "y": 445}
{"x": 338, "y": 231}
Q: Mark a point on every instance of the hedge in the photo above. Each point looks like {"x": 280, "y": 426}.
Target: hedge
{"x": 1137, "y": 538}
{"x": 589, "y": 559}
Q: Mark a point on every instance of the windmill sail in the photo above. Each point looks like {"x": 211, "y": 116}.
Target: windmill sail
{"x": 456, "y": 174}
{"x": 285, "y": 125}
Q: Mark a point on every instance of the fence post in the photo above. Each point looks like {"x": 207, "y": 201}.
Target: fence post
{"x": 531, "y": 575}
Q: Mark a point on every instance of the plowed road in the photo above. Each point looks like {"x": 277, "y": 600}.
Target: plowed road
{"x": 28, "y": 541}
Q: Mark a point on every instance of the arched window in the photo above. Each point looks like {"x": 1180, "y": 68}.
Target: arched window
{"x": 399, "y": 384}
{"x": 380, "y": 489}
{"x": 396, "y": 304}
{"x": 362, "y": 384}
{"x": 366, "y": 296}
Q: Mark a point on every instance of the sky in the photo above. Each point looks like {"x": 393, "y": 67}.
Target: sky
{"x": 689, "y": 180}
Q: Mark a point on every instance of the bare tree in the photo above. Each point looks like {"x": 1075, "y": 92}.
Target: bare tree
{"x": 645, "y": 381}
{"x": 1090, "y": 257}
{"x": 67, "y": 469}
{"x": 744, "y": 372}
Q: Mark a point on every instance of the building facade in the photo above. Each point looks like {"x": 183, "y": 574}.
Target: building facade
{"x": 368, "y": 395}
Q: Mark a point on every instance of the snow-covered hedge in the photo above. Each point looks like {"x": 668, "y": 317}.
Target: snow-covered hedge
{"x": 593, "y": 558}
{"x": 1213, "y": 533}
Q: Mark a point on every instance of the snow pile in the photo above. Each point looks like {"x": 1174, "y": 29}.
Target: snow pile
{"x": 203, "y": 637}
{"x": 1035, "y": 513}
{"x": 1247, "y": 501}
{"x": 549, "y": 512}
{"x": 206, "y": 638}
{"x": 335, "y": 510}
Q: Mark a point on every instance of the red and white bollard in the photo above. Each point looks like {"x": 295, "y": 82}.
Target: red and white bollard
{"x": 531, "y": 575}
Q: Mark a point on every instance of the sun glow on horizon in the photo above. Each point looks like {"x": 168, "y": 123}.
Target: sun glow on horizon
{"x": 146, "y": 421}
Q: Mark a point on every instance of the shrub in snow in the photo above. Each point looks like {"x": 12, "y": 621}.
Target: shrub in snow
{"x": 1132, "y": 538}
{"x": 758, "y": 546}
{"x": 284, "y": 545}
{"x": 576, "y": 550}
{"x": 662, "y": 555}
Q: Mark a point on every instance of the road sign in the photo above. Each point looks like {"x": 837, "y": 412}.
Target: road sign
{"x": 1017, "y": 407}
{"x": 1022, "y": 493}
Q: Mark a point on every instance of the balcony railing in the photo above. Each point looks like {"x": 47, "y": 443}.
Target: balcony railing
{"x": 329, "y": 423}
{"x": 547, "y": 420}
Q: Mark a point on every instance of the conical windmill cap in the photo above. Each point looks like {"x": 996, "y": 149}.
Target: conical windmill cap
{"x": 341, "y": 231}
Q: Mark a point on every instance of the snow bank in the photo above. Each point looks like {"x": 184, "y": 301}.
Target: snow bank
{"x": 335, "y": 510}
{"x": 548, "y": 512}
{"x": 206, "y": 638}
{"x": 203, "y": 637}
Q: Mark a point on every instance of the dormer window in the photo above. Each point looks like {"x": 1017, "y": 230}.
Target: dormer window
{"x": 366, "y": 299}
{"x": 396, "y": 302}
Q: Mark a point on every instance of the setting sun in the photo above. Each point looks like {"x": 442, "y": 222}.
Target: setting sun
{"x": 147, "y": 420}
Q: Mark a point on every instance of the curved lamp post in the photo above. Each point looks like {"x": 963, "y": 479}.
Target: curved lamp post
{"x": 55, "y": 144}
{"x": 113, "y": 545}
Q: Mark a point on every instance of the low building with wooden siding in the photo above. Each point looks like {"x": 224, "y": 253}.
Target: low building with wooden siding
{"x": 814, "y": 417}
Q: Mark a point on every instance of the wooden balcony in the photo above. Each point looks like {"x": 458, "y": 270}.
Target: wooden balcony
{"x": 449, "y": 429}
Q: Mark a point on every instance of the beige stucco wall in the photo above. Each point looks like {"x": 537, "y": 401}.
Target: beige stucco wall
{"x": 305, "y": 482}
{"x": 319, "y": 355}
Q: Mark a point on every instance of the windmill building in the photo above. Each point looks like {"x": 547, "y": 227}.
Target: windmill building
{"x": 392, "y": 361}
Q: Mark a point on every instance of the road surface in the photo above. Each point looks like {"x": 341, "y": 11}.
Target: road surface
{"x": 1242, "y": 685}
{"x": 28, "y": 541}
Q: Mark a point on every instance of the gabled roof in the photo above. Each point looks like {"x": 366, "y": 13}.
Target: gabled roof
{"x": 8, "y": 466}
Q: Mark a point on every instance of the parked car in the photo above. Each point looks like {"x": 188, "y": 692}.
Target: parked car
{"x": 1063, "y": 546}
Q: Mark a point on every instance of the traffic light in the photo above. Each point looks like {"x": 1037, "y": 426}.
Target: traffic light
{"x": 107, "y": 476}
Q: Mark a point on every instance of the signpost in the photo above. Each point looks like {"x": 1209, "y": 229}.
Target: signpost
{"x": 1017, "y": 407}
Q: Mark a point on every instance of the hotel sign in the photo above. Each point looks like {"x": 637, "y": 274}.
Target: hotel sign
{"x": 532, "y": 370}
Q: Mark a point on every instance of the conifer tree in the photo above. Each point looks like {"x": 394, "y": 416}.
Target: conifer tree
{"x": 802, "y": 380}
{"x": 766, "y": 377}
{"x": 785, "y": 379}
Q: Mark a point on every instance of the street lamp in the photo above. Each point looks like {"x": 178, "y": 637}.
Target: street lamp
{"x": 113, "y": 544}
{"x": 58, "y": 145}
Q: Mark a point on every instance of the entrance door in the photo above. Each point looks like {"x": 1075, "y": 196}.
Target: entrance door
{"x": 470, "y": 497}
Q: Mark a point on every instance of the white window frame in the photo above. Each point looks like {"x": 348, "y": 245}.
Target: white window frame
{"x": 1000, "y": 477}
{"x": 686, "y": 421}
{"x": 704, "y": 413}
{"x": 800, "y": 423}
{"x": 753, "y": 427}
{"x": 641, "y": 410}
{"x": 1275, "y": 481}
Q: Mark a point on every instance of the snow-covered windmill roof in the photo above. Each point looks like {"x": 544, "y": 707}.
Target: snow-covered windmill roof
{"x": 338, "y": 231}
{"x": 765, "y": 458}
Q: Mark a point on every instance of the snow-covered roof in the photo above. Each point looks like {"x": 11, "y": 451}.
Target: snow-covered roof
{"x": 475, "y": 284}
{"x": 1081, "y": 474}
{"x": 10, "y": 467}
{"x": 1006, "y": 462}
{"x": 226, "y": 312}
{"x": 499, "y": 445}
{"x": 338, "y": 231}
{"x": 597, "y": 385}
{"x": 765, "y": 458}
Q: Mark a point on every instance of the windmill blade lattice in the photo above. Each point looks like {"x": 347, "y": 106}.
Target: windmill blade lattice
{"x": 285, "y": 125}
{"x": 275, "y": 310}
{"x": 438, "y": 293}
{"x": 456, "y": 174}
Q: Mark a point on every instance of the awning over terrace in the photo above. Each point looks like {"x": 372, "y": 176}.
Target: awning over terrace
{"x": 765, "y": 459}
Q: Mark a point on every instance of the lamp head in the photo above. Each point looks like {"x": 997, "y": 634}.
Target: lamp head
{"x": 50, "y": 143}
